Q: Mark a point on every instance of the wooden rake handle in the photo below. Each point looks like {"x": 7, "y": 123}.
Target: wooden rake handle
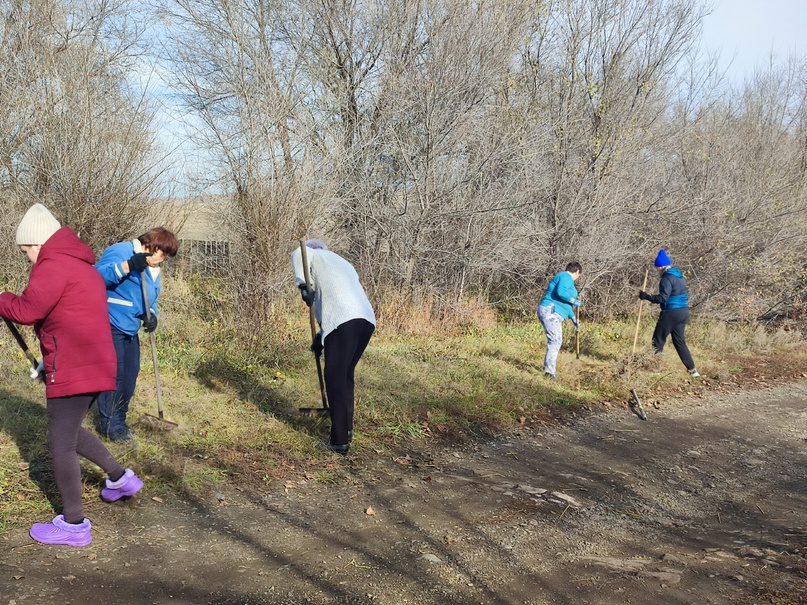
{"x": 639, "y": 315}
{"x": 153, "y": 341}
{"x": 313, "y": 322}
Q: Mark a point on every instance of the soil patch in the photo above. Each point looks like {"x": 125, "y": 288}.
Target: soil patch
{"x": 704, "y": 502}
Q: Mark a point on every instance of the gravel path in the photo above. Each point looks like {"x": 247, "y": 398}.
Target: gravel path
{"x": 705, "y": 502}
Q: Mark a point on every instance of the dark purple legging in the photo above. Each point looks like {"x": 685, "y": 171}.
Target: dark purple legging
{"x": 343, "y": 349}
{"x": 67, "y": 439}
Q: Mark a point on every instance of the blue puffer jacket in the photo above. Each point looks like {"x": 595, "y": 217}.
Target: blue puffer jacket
{"x": 672, "y": 290}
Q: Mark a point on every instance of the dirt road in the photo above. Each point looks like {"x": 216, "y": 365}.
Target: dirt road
{"x": 705, "y": 502}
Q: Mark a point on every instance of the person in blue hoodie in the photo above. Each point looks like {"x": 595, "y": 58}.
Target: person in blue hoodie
{"x": 673, "y": 298}
{"x": 122, "y": 266}
{"x": 558, "y": 304}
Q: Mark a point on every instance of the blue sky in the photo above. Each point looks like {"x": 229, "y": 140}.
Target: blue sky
{"x": 747, "y": 31}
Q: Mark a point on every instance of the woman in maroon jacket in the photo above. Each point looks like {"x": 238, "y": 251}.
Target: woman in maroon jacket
{"x": 65, "y": 301}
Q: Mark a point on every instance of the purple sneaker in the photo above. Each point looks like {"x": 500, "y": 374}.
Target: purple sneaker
{"x": 61, "y": 532}
{"x": 126, "y": 486}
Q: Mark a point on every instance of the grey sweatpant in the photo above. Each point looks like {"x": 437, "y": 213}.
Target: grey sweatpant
{"x": 553, "y": 326}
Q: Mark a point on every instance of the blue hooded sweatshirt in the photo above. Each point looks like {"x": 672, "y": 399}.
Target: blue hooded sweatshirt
{"x": 561, "y": 292}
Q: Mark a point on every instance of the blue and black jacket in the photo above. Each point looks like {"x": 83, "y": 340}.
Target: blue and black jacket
{"x": 672, "y": 291}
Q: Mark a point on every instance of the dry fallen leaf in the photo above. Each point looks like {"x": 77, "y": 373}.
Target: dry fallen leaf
{"x": 369, "y": 511}
{"x": 157, "y": 499}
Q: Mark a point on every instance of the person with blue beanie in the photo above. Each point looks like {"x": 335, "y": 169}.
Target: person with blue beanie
{"x": 673, "y": 298}
{"x": 558, "y": 304}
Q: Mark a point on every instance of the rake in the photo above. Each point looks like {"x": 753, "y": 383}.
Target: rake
{"x": 158, "y": 421}
{"x": 313, "y": 321}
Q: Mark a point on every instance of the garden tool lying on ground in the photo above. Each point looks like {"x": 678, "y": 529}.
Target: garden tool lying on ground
{"x": 636, "y": 405}
{"x": 317, "y": 352}
{"x": 35, "y": 367}
{"x": 158, "y": 422}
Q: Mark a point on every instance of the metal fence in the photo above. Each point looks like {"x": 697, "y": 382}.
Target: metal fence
{"x": 199, "y": 256}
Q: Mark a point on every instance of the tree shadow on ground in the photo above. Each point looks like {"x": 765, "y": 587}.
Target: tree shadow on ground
{"x": 219, "y": 373}
{"x": 26, "y": 423}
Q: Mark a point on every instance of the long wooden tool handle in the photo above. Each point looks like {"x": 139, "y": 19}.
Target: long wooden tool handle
{"x": 313, "y": 321}
{"x": 153, "y": 341}
{"x": 639, "y": 315}
{"x": 307, "y": 276}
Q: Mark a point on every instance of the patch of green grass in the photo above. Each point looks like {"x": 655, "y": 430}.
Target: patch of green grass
{"x": 402, "y": 428}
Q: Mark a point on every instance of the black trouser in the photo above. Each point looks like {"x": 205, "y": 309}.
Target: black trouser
{"x": 343, "y": 349}
{"x": 67, "y": 439}
{"x": 673, "y": 321}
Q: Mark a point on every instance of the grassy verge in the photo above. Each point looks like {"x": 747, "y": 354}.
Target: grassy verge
{"x": 236, "y": 401}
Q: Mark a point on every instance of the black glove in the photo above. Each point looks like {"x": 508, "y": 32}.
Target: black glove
{"x": 138, "y": 262}
{"x": 644, "y": 295}
{"x": 308, "y": 297}
{"x": 316, "y": 345}
{"x": 150, "y": 323}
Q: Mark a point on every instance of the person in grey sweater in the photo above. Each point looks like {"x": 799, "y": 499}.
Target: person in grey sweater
{"x": 347, "y": 322}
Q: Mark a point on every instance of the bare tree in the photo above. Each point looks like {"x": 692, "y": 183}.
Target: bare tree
{"x": 473, "y": 149}
{"x": 739, "y": 194}
{"x": 73, "y": 134}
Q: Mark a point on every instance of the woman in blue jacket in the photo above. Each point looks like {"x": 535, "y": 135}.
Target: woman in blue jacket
{"x": 673, "y": 297}
{"x": 122, "y": 266}
{"x": 558, "y": 304}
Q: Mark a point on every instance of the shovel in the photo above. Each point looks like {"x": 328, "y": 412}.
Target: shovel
{"x": 21, "y": 341}
{"x": 158, "y": 421}
{"x": 313, "y": 321}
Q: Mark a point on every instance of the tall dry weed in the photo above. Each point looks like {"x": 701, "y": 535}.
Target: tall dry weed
{"x": 424, "y": 314}
{"x": 744, "y": 338}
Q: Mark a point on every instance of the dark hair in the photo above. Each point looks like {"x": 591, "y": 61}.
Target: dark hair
{"x": 573, "y": 267}
{"x": 160, "y": 238}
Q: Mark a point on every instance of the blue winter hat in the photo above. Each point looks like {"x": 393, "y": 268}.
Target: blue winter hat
{"x": 662, "y": 260}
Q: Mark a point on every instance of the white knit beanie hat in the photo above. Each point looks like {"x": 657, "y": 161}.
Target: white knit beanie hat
{"x": 36, "y": 226}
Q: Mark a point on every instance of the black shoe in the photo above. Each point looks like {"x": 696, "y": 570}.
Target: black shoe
{"x": 334, "y": 447}
{"x": 549, "y": 376}
{"x": 125, "y": 435}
